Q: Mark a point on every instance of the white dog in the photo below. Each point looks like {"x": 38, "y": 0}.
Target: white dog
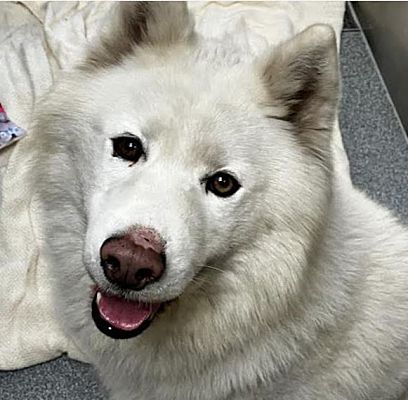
{"x": 192, "y": 210}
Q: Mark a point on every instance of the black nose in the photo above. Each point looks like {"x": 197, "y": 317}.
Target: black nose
{"x": 134, "y": 260}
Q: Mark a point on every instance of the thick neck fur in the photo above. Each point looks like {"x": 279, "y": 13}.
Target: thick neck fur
{"x": 278, "y": 340}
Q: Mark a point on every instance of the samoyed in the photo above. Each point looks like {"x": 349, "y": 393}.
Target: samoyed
{"x": 203, "y": 247}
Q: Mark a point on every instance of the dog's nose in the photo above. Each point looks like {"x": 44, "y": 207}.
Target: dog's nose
{"x": 134, "y": 260}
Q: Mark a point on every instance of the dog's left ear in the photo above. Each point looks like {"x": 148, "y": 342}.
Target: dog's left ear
{"x": 302, "y": 83}
{"x": 154, "y": 24}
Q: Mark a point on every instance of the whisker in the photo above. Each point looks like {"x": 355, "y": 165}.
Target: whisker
{"x": 199, "y": 280}
{"x": 214, "y": 268}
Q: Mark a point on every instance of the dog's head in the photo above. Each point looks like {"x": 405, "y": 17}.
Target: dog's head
{"x": 183, "y": 161}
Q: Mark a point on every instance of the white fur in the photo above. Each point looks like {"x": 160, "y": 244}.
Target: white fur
{"x": 292, "y": 289}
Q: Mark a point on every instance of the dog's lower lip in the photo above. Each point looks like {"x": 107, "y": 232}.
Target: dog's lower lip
{"x": 108, "y": 329}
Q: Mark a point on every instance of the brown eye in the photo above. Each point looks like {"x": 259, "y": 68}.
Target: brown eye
{"x": 222, "y": 184}
{"x": 129, "y": 148}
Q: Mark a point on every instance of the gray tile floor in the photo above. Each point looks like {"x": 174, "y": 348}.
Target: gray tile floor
{"x": 62, "y": 379}
{"x": 378, "y": 152}
{"x": 374, "y": 140}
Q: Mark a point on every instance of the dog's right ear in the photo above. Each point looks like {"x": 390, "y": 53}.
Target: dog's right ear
{"x": 301, "y": 78}
{"x": 142, "y": 23}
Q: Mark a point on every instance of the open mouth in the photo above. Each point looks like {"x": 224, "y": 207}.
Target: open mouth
{"x": 120, "y": 318}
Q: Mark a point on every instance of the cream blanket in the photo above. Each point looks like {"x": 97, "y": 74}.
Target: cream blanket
{"x": 38, "y": 40}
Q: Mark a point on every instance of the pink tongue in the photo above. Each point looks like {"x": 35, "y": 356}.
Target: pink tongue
{"x": 124, "y": 314}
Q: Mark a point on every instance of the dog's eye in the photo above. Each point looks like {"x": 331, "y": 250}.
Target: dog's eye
{"x": 129, "y": 148}
{"x": 222, "y": 184}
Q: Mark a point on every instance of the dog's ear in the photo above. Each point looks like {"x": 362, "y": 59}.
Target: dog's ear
{"x": 302, "y": 82}
{"x": 142, "y": 23}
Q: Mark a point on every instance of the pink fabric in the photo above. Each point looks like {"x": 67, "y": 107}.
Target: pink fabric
{"x": 9, "y": 131}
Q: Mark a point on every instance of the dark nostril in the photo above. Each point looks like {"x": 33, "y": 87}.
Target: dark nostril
{"x": 144, "y": 274}
{"x": 111, "y": 263}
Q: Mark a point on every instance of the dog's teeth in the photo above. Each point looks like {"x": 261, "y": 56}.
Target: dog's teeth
{"x": 98, "y": 297}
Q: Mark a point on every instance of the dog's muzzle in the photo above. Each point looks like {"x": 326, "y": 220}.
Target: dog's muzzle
{"x": 131, "y": 262}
